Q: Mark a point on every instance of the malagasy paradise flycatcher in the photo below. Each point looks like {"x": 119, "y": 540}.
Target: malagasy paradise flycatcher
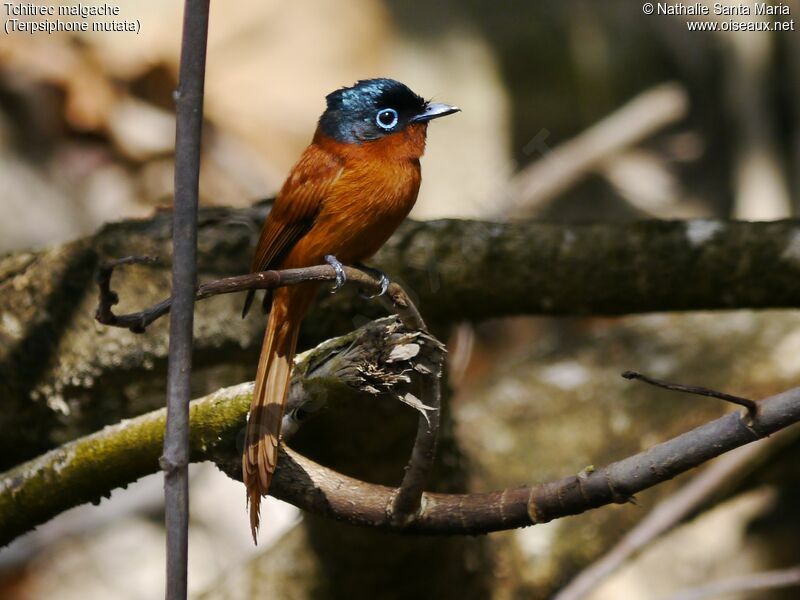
{"x": 346, "y": 195}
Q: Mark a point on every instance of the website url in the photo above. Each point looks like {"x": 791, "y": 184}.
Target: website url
{"x": 731, "y": 25}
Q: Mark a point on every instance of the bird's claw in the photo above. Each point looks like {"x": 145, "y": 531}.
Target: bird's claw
{"x": 339, "y": 268}
{"x": 383, "y": 280}
{"x": 384, "y": 283}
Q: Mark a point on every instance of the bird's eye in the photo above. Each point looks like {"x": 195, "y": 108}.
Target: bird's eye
{"x": 386, "y": 118}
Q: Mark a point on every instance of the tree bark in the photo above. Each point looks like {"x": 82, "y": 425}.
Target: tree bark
{"x": 91, "y": 467}
{"x": 62, "y": 375}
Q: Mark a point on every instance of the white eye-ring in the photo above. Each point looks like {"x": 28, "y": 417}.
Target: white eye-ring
{"x": 386, "y": 118}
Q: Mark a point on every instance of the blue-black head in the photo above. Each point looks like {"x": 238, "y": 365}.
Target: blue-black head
{"x": 374, "y": 108}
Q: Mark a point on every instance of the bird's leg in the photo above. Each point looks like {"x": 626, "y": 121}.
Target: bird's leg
{"x": 339, "y": 268}
{"x": 383, "y": 280}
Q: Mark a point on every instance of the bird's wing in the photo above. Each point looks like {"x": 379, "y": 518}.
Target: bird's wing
{"x": 295, "y": 209}
{"x": 296, "y": 206}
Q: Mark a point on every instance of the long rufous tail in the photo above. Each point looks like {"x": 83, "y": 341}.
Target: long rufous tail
{"x": 260, "y": 456}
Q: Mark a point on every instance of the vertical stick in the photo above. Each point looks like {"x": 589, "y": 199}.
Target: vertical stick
{"x": 175, "y": 460}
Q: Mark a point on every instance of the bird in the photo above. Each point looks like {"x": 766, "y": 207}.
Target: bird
{"x": 348, "y": 192}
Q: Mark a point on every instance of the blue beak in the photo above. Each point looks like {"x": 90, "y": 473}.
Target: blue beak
{"x": 434, "y": 111}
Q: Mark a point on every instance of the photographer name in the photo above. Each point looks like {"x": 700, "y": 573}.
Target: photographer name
{"x": 699, "y": 9}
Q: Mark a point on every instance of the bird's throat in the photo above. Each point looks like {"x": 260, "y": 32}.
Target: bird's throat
{"x": 408, "y": 144}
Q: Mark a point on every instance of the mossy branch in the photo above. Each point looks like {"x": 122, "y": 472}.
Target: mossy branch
{"x": 89, "y": 468}
{"x": 375, "y": 360}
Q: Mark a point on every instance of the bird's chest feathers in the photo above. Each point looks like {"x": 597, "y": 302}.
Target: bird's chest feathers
{"x": 381, "y": 175}
{"x": 380, "y": 179}
{"x": 374, "y": 188}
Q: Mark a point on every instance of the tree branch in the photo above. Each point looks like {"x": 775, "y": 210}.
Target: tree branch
{"x": 138, "y": 322}
{"x": 378, "y": 360}
{"x": 55, "y": 360}
{"x": 750, "y": 405}
{"x": 89, "y": 468}
{"x": 407, "y": 502}
{"x": 188, "y": 137}
{"x": 719, "y": 475}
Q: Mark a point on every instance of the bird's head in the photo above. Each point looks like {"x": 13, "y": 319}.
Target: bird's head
{"x": 375, "y": 108}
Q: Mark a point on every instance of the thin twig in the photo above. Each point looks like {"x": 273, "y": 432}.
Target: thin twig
{"x": 720, "y": 474}
{"x": 673, "y": 509}
{"x": 108, "y": 297}
{"x": 188, "y": 135}
{"x": 750, "y": 405}
{"x": 138, "y": 322}
{"x": 770, "y": 580}
{"x": 409, "y": 496}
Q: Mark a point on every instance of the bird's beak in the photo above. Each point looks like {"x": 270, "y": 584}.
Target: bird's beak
{"x": 434, "y": 111}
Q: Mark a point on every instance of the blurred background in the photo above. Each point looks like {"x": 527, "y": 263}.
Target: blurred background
{"x": 572, "y": 111}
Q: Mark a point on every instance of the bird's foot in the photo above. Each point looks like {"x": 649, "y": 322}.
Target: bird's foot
{"x": 383, "y": 280}
{"x": 339, "y": 268}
